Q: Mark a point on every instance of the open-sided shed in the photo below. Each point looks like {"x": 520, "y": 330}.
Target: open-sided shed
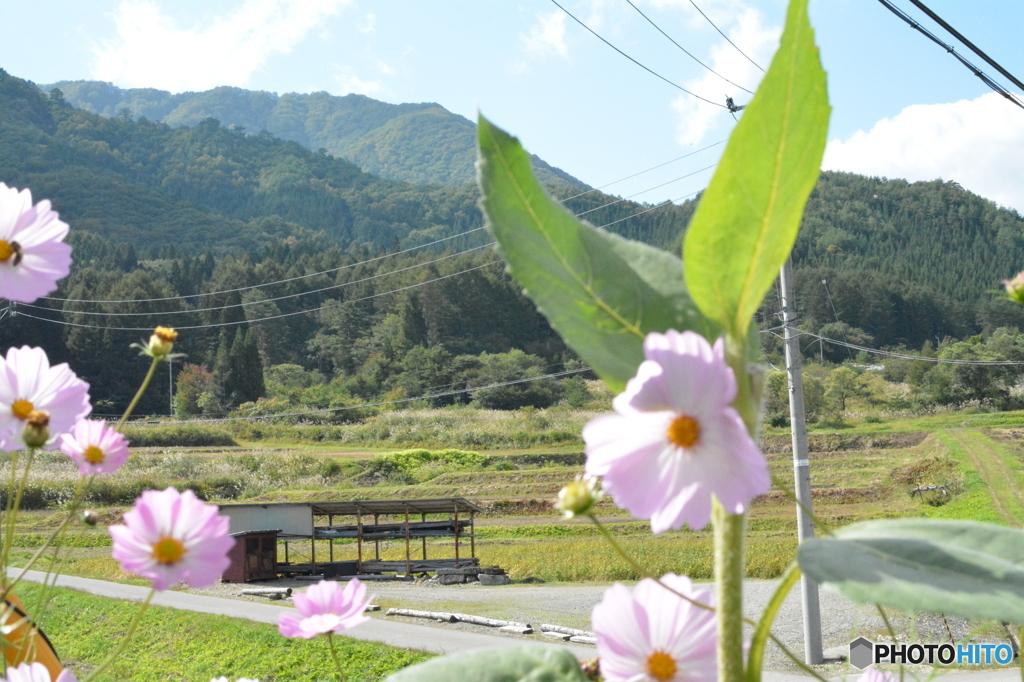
{"x": 451, "y": 518}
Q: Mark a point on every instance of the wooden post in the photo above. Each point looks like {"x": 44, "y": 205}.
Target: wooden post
{"x": 423, "y": 517}
{"x": 408, "y": 564}
{"x": 376, "y": 543}
{"x": 359, "y": 541}
{"x": 472, "y": 535}
{"x": 456, "y": 536}
{"x": 286, "y": 552}
{"x": 330, "y": 522}
{"x": 312, "y": 550}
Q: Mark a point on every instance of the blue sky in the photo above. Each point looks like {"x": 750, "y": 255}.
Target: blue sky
{"x": 901, "y": 106}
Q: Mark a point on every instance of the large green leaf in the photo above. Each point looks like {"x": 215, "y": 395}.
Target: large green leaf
{"x": 748, "y": 218}
{"x": 522, "y": 664}
{"x": 962, "y": 568}
{"x": 601, "y": 292}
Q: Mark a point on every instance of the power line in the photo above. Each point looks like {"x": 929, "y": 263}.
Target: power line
{"x": 630, "y": 177}
{"x": 688, "y": 54}
{"x": 908, "y": 356}
{"x": 383, "y": 402}
{"x": 949, "y": 48}
{"x": 266, "y": 300}
{"x": 650, "y": 71}
{"x": 267, "y": 284}
{"x": 956, "y": 34}
{"x": 724, "y": 36}
{"x": 264, "y": 319}
{"x": 649, "y": 189}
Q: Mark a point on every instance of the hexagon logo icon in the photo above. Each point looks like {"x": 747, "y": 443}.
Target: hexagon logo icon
{"x": 861, "y": 653}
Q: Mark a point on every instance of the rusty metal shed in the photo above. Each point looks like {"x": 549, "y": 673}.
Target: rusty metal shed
{"x": 298, "y": 522}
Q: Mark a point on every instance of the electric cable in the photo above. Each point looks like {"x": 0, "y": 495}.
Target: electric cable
{"x": 345, "y": 408}
{"x": 949, "y": 48}
{"x": 724, "y": 36}
{"x": 650, "y": 71}
{"x": 908, "y": 356}
{"x": 687, "y": 52}
{"x": 971, "y": 46}
{"x": 649, "y": 189}
{"x": 266, "y": 300}
{"x": 267, "y": 284}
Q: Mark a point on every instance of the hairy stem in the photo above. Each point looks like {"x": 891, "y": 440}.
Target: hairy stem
{"x": 138, "y": 394}
{"x": 729, "y": 584}
{"x": 334, "y": 655}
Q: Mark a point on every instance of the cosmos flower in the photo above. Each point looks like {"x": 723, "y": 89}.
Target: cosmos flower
{"x": 675, "y": 441}
{"x": 579, "y": 497}
{"x": 33, "y": 392}
{"x": 36, "y": 672}
{"x": 652, "y": 635}
{"x": 325, "y": 607}
{"x": 96, "y": 447}
{"x": 33, "y": 255}
{"x": 171, "y": 537}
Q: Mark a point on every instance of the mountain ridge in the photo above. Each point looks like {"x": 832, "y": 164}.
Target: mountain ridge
{"x": 422, "y": 143}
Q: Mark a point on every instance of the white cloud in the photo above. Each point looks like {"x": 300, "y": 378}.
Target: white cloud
{"x": 696, "y": 119}
{"x": 152, "y": 50}
{"x": 369, "y": 25}
{"x": 978, "y": 143}
{"x": 547, "y": 36}
{"x": 354, "y": 84}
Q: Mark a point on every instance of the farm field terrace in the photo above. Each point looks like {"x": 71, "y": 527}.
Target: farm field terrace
{"x": 976, "y": 462}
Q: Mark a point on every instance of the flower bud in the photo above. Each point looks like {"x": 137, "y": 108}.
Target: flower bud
{"x": 37, "y": 429}
{"x": 89, "y": 517}
{"x": 162, "y": 342}
{"x": 1015, "y": 288}
{"x": 579, "y": 497}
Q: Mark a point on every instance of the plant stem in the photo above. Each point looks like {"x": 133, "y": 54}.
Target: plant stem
{"x": 132, "y": 627}
{"x": 14, "y": 508}
{"x": 334, "y": 655}
{"x": 640, "y": 569}
{"x": 729, "y": 530}
{"x": 138, "y": 394}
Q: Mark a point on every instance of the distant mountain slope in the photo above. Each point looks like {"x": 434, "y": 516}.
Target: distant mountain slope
{"x": 421, "y": 143}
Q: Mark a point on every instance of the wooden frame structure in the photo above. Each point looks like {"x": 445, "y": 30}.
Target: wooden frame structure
{"x": 301, "y": 524}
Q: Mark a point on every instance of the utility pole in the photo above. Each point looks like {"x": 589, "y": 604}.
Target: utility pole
{"x": 170, "y": 387}
{"x": 801, "y": 465}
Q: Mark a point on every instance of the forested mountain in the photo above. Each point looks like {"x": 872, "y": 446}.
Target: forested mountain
{"x": 422, "y": 143}
{"x": 280, "y": 262}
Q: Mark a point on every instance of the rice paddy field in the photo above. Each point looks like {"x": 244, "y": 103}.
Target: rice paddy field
{"x": 953, "y": 465}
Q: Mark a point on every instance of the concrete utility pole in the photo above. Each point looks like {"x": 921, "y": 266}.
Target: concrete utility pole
{"x": 801, "y": 465}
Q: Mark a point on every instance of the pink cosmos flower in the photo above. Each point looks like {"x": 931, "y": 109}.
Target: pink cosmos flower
{"x": 30, "y": 388}
{"x": 36, "y": 672}
{"x": 652, "y": 635}
{"x": 675, "y": 441}
{"x": 325, "y": 607}
{"x": 171, "y": 537}
{"x": 33, "y": 255}
{"x": 96, "y": 447}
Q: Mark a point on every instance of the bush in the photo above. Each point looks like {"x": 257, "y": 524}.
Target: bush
{"x": 177, "y": 435}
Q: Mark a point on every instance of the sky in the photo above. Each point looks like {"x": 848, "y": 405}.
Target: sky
{"x": 902, "y": 107}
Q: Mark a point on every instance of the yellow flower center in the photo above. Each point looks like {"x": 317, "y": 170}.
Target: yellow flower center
{"x": 168, "y": 551}
{"x": 684, "y": 431}
{"x": 166, "y": 334}
{"x": 8, "y": 249}
{"x": 22, "y": 408}
{"x": 93, "y": 455}
{"x": 661, "y": 666}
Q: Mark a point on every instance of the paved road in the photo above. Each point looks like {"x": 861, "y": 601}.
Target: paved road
{"x": 406, "y": 635}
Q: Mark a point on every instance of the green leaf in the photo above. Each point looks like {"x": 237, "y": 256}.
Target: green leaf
{"x": 522, "y": 664}
{"x": 602, "y": 293}
{"x": 962, "y": 568}
{"x": 748, "y": 218}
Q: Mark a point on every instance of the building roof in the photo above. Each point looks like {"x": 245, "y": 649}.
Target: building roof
{"x": 446, "y": 505}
